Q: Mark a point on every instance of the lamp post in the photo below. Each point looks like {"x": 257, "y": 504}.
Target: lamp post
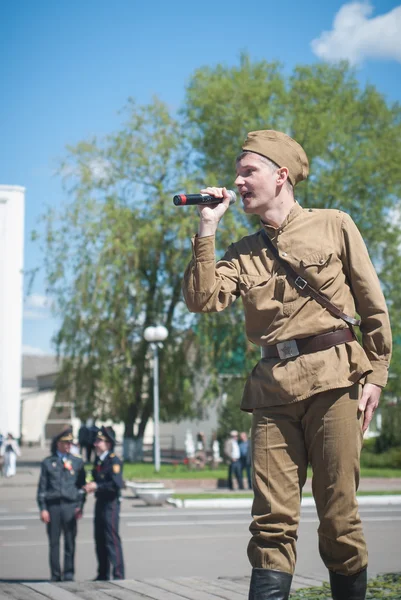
{"x": 156, "y": 335}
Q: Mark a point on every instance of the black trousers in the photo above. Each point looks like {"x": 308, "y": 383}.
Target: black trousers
{"x": 62, "y": 519}
{"x": 89, "y": 449}
{"x": 246, "y": 466}
{"x": 234, "y": 468}
{"x": 108, "y": 543}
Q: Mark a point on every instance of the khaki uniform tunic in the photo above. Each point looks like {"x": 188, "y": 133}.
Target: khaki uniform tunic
{"x": 325, "y": 247}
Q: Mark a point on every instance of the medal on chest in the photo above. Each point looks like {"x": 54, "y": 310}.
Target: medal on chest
{"x": 68, "y": 466}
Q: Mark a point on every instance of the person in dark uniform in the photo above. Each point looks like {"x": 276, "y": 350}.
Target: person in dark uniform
{"x": 83, "y": 440}
{"x": 60, "y": 499}
{"x": 107, "y": 484}
{"x": 93, "y": 430}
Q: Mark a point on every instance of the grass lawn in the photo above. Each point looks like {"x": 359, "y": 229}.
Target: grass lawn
{"x": 139, "y": 471}
{"x": 386, "y": 586}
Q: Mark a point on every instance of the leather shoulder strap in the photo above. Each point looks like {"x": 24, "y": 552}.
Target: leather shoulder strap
{"x": 303, "y": 286}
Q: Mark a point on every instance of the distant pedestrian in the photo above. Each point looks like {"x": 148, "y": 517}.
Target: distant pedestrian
{"x": 200, "y": 455}
{"x": 107, "y": 485}
{"x": 60, "y": 499}
{"x": 233, "y": 456}
{"x": 10, "y": 450}
{"x": 216, "y": 458}
{"x": 93, "y": 430}
{"x": 245, "y": 456}
{"x": 83, "y": 440}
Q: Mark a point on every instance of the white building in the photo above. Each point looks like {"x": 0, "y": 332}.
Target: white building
{"x": 12, "y": 199}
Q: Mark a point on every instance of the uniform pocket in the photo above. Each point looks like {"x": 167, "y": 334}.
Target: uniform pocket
{"x": 251, "y": 286}
{"x": 319, "y": 268}
{"x": 247, "y": 282}
{"x": 319, "y": 260}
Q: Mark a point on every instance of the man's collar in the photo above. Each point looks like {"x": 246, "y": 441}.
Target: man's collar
{"x": 103, "y": 455}
{"x": 294, "y": 212}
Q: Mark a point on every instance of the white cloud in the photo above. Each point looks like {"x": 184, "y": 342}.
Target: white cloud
{"x": 100, "y": 168}
{"x": 32, "y": 350}
{"x": 356, "y": 37}
{"x": 37, "y": 307}
{"x": 38, "y": 301}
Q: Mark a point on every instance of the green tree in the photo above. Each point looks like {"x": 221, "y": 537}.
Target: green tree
{"x": 230, "y": 417}
{"x": 351, "y": 135}
{"x": 114, "y": 257}
{"x": 390, "y": 436}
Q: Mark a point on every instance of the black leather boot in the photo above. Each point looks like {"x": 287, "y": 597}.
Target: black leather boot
{"x": 348, "y": 587}
{"x": 267, "y": 584}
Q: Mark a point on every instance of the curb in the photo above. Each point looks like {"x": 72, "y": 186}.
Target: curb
{"x": 247, "y": 502}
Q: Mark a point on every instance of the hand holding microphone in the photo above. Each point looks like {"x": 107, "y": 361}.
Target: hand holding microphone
{"x": 212, "y": 203}
{"x": 201, "y": 199}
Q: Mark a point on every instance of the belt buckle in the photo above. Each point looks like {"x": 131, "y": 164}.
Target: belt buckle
{"x": 300, "y": 283}
{"x": 287, "y": 349}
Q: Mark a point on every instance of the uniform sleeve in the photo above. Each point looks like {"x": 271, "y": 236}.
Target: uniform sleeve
{"x": 42, "y": 487}
{"x": 369, "y": 301}
{"x": 209, "y": 286}
{"x": 116, "y": 482}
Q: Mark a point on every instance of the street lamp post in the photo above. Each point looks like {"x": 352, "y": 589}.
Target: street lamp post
{"x": 156, "y": 335}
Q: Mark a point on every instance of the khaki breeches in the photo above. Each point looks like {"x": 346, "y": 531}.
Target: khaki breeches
{"x": 325, "y": 431}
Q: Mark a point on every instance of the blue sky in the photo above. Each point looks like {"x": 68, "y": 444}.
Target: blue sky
{"x": 68, "y": 66}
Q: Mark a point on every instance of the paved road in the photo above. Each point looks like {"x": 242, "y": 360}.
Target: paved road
{"x": 171, "y": 542}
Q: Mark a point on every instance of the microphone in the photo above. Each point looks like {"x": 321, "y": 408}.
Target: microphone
{"x": 195, "y": 199}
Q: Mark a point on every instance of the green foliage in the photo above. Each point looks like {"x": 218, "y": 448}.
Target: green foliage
{"x": 146, "y": 471}
{"x": 369, "y": 445}
{"x": 386, "y": 472}
{"x": 386, "y": 586}
{"x": 390, "y": 436}
{"x": 178, "y": 470}
{"x": 230, "y": 417}
{"x": 391, "y": 459}
{"x": 115, "y": 255}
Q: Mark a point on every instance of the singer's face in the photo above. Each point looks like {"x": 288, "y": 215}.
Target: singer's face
{"x": 256, "y": 182}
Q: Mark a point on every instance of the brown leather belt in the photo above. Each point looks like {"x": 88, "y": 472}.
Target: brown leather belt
{"x": 308, "y": 345}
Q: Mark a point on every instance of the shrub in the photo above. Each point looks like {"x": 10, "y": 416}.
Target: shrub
{"x": 390, "y": 436}
{"x": 385, "y": 460}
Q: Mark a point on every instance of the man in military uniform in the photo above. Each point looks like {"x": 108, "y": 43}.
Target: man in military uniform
{"x": 315, "y": 389}
{"x": 61, "y": 498}
{"x": 107, "y": 484}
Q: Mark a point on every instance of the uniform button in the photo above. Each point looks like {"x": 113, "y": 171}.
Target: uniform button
{"x": 321, "y": 261}
{"x": 284, "y": 254}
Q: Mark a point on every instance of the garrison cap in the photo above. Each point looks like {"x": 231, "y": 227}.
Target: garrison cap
{"x": 64, "y": 436}
{"x": 106, "y": 434}
{"x": 281, "y": 149}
